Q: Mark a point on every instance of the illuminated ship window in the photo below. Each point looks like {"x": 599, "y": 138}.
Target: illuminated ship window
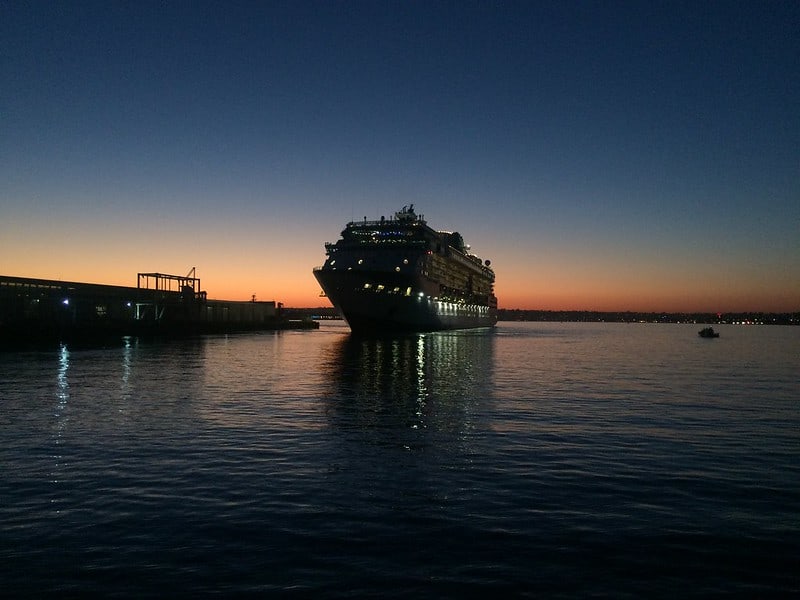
{"x": 397, "y": 269}
{"x": 396, "y": 290}
{"x": 408, "y": 291}
{"x": 361, "y": 261}
{"x": 367, "y": 286}
{"x": 333, "y": 262}
{"x": 380, "y": 287}
{"x": 405, "y": 261}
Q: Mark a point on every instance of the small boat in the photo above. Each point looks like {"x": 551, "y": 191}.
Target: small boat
{"x": 708, "y": 332}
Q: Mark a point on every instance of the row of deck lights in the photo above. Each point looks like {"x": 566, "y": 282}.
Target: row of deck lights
{"x": 454, "y": 307}
{"x": 444, "y": 306}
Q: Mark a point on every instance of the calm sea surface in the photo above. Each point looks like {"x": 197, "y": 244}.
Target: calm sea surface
{"x": 556, "y": 460}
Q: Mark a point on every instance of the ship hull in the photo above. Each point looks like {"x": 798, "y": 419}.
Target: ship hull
{"x": 371, "y": 311}
{"x": 401, "y": 275}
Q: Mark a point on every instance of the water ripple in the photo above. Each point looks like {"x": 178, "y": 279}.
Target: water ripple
{"x": 565, "y": 460}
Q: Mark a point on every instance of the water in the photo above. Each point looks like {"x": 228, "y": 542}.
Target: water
{"x": 557, "y": 460}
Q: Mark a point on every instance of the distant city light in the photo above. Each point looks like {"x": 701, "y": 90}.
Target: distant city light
{"x": 65, "y": 302}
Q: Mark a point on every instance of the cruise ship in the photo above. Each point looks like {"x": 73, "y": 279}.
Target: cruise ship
{"x": 399, "y": 274}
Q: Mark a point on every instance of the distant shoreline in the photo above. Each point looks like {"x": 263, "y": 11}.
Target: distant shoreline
{"x": 514, "y": 314}
{"x": 751, "y": 318}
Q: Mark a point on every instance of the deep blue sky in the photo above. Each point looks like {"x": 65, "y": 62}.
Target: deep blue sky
{"x": 628, "y": 155}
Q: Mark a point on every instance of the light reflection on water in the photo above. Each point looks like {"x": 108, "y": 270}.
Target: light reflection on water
{"x": 61, "y": 419}
{"x": 563, "y": 459}
{"x": 427, "y": 380}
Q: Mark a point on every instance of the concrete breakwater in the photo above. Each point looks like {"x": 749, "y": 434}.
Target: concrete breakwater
{"x": 41, "y": 309}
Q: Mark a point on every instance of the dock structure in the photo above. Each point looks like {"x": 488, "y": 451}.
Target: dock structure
{"x": 160, "y": 304}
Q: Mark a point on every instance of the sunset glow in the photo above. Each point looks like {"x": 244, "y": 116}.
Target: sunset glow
{"x": 603, "y": 158}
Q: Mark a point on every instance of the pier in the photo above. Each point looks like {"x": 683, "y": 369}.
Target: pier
{"x": 160, "y": 304}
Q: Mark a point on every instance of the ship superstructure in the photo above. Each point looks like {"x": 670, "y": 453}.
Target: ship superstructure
{"x": 399, "y": 274}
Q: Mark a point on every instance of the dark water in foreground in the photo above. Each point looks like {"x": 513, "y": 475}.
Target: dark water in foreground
{"x": 559, "y": 460}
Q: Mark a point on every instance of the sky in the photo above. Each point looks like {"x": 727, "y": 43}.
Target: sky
{"x": 604, "y": 155}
